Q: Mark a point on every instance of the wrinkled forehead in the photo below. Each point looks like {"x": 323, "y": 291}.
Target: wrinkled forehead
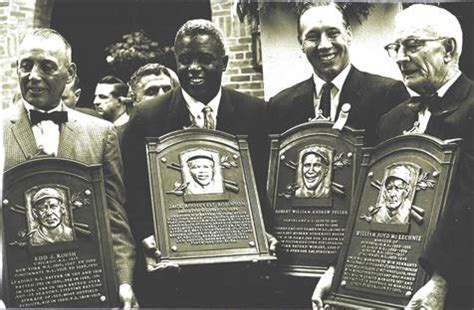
{"x": 49, "y": 200}
{"x": 51, "y": 44}
{"x": 154, "y": 79}
{"x": 409, "y": 28}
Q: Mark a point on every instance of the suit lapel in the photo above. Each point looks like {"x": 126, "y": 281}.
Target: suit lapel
{"x": 66, "y": 136}
{"x": 23, "y": 133}
{"x": 178, "y": 116}
{"x": 226, "y": 113}
{"x": 303, "y": 102}
{"x": 351, "y": 90}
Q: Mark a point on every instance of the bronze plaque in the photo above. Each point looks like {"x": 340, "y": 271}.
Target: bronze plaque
{"x": 310, "y": 186}
{"x": 205, "y": 203}
{"x": 57, "y": 248}
{"x": 403, "y": 188}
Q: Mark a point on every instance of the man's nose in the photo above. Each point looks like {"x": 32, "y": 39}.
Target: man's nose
{"x": 35, "y": 73}
{"x": 195, "y": 65}
{"x": 325, "y": 42}
{"x": 401, "y": 55}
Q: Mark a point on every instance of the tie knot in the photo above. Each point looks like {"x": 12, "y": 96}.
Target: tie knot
{"x": 206, "y": 109}
{"x": 327, "y": 87}
{"x": 57, "y": 117}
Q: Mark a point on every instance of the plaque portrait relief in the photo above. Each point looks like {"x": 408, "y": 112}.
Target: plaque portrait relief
{"x": 48, "y": 216}
{"x": 396, "y": 195}
{"x": 313, "y": 176}
{"x": 202, "y": 172}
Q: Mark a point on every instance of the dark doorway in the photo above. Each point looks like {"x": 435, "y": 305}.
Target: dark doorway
{"x": 92, "y": 25}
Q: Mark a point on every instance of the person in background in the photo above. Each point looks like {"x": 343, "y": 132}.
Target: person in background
{"x": 150, "y": 81}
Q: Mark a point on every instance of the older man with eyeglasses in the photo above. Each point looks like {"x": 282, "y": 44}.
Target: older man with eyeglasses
{"x": 427, "y": 48}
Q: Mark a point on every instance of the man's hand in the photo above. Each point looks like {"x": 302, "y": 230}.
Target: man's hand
{"x": 272, "y": 243}
{"x": 153, "y": 256}
{"x": 127, "y": 297}
{"x": 431, "y": 295}
{"x": 322, "y": 288}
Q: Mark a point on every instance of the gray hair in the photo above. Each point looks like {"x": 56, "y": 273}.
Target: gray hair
{"x": 48, "y": 33}
{"x": 438, "y": 21}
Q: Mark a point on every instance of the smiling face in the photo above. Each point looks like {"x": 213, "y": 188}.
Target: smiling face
{"x": 314, "y": 170}
{"x": 426, "y": 69}
{"x": 325, "y": 40}
{"x": 49, "y": 212}
{"x": 43, "y": 71}
{"x": 152, "y": 85}
{"x": 202, "y": 170}
{"x": 200, "y": 64}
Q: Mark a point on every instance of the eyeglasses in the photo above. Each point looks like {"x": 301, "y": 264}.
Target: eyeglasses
{"x": 409, "y": 45}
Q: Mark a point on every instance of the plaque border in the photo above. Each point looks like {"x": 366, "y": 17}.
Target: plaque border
{"x": 354, "y": 137}
{"x": 154, "y": 146}
{"x": 94, "y": 176}
{"x": 448, "y": 159}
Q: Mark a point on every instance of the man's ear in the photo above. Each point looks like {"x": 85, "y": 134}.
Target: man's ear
{"x": 77, "y": 93}
{"x": 225, "y": 61}
{"x": 71, "y": 72}
{"x": 349, "y": 34}
{"x": 450, "y": 47}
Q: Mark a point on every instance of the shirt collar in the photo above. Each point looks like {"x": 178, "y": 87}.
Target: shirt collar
{"x": 28, "y": 106}
{"x": 338, "y": 81}
{"x": 195, "y": 106}
{"x": 123, "y": 119}
{"x": 443, "y": 89}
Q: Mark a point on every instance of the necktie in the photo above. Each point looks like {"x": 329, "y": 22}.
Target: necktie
{"x": 325, "y": 100}
{"x": 57, "y": 117}
{"x": 208, "y": 120}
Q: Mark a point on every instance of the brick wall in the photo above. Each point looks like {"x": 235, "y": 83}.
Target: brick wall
{"x": 16, "y": 17}
{"x": 240, "y": 73}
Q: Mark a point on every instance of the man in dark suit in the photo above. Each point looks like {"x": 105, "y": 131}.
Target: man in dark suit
{"x": 427, "y": 47}
{"x": 41, "y": 124}
{"x": 202, "y": 102}
{"x": 325, "y": 37}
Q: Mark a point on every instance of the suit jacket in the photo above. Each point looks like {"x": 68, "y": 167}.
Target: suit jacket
{"x": 450, "y": 249}
{"x": 238, "y": 114}
{"x": 89, "y": 140}
{"x": 370, "y": 97}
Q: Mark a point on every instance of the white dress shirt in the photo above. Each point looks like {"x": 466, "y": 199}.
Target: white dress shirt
{"x": 195, "y": 108}
{"x": 46, "y": 132}
{"x": 338, "y": 82}
{"x": 425, "y": 115}
{"x": 122, "y": 119}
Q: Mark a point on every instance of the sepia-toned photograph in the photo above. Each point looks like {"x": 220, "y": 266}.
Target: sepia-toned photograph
{"x": 94, "y": 81}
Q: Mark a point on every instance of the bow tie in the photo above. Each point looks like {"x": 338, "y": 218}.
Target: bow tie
{"x": 419, "y": 103}
{"x": 57, "y": 117}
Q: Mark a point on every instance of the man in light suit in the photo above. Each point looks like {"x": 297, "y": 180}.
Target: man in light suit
{"x": 325, "y": 37}
{"x": 41, "y": 124}
{"x": 201, "y": 101}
